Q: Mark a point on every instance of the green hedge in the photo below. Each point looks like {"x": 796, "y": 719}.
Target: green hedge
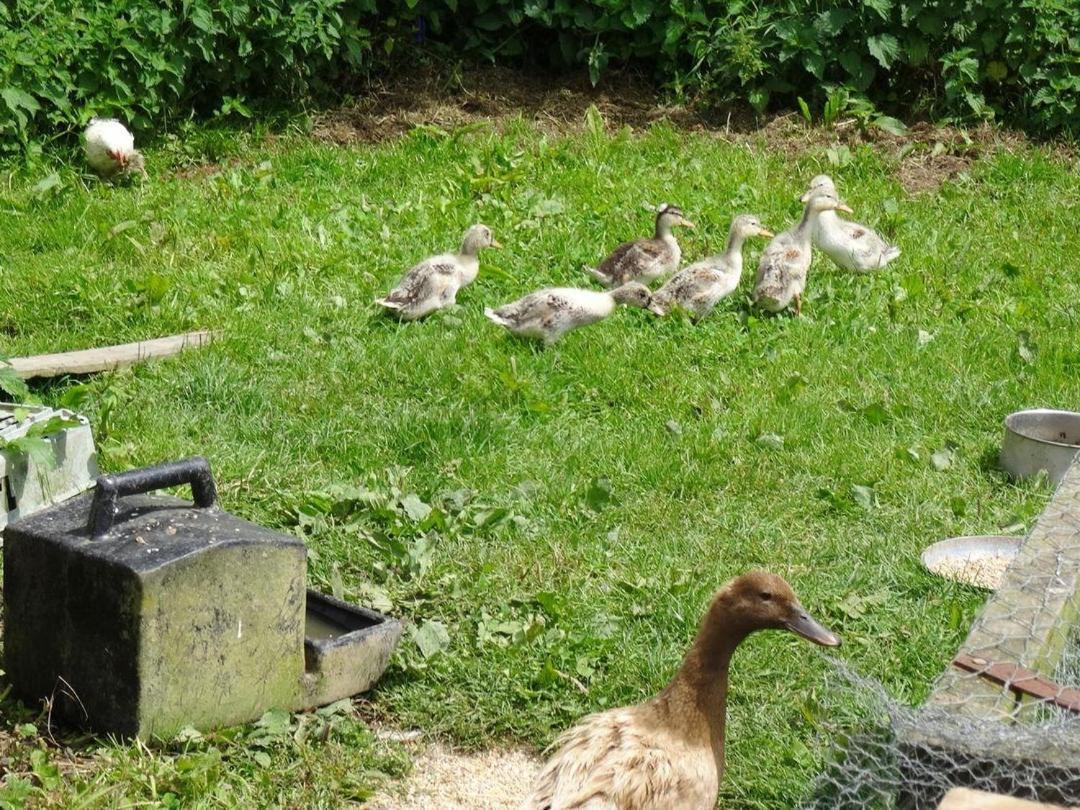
{"x": 144, "y": 61}
{"x": 1017, "y": 60}
{"x": 1014, "y": 60}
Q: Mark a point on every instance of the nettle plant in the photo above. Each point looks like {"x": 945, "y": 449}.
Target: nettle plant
{"x": 1014, "y": 59}
{"x": 63, "y": 62}
{"x": 147, "y": 61}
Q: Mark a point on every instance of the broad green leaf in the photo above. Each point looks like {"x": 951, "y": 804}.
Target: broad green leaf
{"x": 804, "y": 108}
{"x": 46, "y": 184}
{"x": 942, "y": 459}
{"x": 37, "y": 449}
{"x": 415, "y": 508}
{"x": 885, "y": 48}
{"x": 833, "y": 21}
{"x": 12, "y": 384}
{"x": 275, "y": 723}
{"x": 882, "y": 7}
{"x": 815, "y": 64}
{"x": 599, "y": 494}
{"x": 774, "y": 441}
{"x": 864, "y": 496}
{"x": 759, "y": 99}
{"x": 17, "y": 100}
{"x": 431, "y": 638}
{"x": 890, "y": 125}
{"x": 47, "y": 772}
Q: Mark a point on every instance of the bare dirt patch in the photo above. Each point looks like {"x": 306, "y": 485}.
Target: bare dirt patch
{"x": 443, "y": 778}
{"x": 923, "y": 158}
{"x": 387, "y": 108}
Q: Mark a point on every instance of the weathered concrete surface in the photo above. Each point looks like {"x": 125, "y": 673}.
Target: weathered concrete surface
{"x": 180, "y": 616}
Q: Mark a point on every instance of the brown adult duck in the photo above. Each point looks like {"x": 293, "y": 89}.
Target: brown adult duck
{"x": 668, "y": 752}
{"x": 645, "y": 259}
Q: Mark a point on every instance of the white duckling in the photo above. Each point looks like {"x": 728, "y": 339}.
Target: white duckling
{"x": 781, "y": 274}
{"x": 434, "y": 283}
{"x": 699, "y": 287}
{"x": 850, "y": 245}
{"x": 668, "y": 752}
{"x": 645, "y": 259}
{"x": 110, "y": 149}
{"x": 549, "y": 314}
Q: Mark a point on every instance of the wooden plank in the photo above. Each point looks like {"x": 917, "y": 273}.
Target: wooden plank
{"x": 1022, "y": 681}
{"x": 966, "y": 799}
{"x": 107, "y": 358}
{"x": 1027, "y": 620}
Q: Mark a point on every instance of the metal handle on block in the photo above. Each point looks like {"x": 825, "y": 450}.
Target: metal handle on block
{"x": 110, "y": 488}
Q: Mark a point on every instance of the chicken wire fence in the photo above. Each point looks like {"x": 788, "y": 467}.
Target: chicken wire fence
{"x": 1005, "y": 714}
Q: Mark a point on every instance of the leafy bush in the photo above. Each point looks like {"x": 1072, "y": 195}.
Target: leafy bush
{"x": 141, "y": 60}
{"x": 1018, "y": 60}
{"x": 1015, "y": 60}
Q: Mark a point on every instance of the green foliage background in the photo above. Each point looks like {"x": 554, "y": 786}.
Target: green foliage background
{"x": 1014, "y": 60}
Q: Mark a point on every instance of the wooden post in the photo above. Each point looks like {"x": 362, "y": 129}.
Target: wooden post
{"x": 106, "y": 358}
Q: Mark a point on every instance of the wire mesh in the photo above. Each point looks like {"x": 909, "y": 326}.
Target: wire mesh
{"x": 998, "y": 725}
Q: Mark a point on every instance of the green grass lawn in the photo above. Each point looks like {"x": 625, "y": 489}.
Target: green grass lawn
{"x": 563, "y": 514}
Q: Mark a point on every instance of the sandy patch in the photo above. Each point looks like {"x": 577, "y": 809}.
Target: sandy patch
{"x": 443, "y": 778}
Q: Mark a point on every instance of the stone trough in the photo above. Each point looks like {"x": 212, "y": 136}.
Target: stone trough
{"x": 140, "y": 614}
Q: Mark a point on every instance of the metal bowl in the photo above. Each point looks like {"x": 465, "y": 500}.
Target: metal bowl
{"x": 1039, "y": 440}
{"x": 978, "y": 560}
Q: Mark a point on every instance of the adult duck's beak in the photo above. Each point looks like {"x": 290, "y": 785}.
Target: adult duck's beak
{"x": 495, "y": 243}
{"x": 685, "y": 222}
{"x": 803, "y": 624}
{"x": 844, "y": 208}
{"x": 765, "y": 232}
{"x": 805, "y": 198}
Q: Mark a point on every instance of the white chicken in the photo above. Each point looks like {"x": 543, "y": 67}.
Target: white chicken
{"x": 110, "y": 149}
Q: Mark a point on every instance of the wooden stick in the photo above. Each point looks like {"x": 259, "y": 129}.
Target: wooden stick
{"x": 107, "y": 358}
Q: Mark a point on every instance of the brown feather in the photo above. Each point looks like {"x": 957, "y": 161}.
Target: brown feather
{"x": 668, "y": 752}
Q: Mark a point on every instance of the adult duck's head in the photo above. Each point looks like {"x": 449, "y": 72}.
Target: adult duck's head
{"x": 476, "y": 239}
{"x": 822, "y": 184}
{"x": 759, "y": 600}
{"x": 668, "y": 216}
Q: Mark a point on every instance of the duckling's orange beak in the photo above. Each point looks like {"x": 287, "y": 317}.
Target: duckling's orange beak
{"x": 765, "y": 232}
{"x": 805, "y": 198}
{"x": 495, "y": 243}
{"x": 803, "y": 624}
{"x": 844, "y": 208}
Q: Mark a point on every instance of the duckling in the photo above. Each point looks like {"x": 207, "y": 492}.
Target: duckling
{"x": 549, "y": 314}
{"x": 645, "y": 259}
{"x": 781, "y": 274}
{"x": 434, "y": 283}
{"x": 699, "y": 287}
{"x": 668, "y": 752}
{"x": 110, "y": 149}
{"x": 850, "y": 245}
